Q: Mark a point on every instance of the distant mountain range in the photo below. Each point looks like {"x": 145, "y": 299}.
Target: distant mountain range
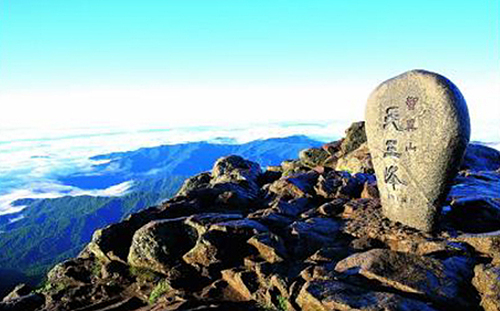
{"x": 50, "y": 230}
{"x": 180, "y": 160}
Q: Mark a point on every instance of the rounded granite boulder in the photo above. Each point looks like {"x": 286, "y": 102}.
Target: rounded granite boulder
{"x": 417, "y": 127}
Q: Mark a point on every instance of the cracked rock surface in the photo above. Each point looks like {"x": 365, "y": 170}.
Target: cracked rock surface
{"x": 300, "y": 236}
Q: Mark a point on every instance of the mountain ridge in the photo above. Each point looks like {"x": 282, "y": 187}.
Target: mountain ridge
{"x": 303, "y": 235}
{"x": 51, "y": 230}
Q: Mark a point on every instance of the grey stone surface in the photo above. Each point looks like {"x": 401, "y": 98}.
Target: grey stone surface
{"x": 440, "y": 281}
{"x": 487, "y": 282}
{"x": 326, "y": 295}
{"x": 418, "y": 127}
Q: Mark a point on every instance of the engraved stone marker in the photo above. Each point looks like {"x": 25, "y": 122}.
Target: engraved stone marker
{"x": 417, "y": 127}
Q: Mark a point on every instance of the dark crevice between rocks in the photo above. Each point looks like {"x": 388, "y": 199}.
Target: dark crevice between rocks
{"x": 294, "y": 291}
{"x": 185, "y": 277}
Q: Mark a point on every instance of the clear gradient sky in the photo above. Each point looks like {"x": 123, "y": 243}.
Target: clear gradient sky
{"x": 172, "y": 62}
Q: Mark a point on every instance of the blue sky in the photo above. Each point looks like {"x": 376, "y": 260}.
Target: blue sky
{"x": 89, "y": 62}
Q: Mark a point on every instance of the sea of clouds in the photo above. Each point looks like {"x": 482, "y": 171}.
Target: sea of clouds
{"x": 32, "y": 160}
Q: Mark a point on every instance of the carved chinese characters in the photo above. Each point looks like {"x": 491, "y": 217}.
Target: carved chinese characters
{"x": 417, "y": 126}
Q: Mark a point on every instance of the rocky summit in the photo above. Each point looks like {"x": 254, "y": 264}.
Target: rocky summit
{"x": 418, "y": 128}
{"x": 309, "y": 234}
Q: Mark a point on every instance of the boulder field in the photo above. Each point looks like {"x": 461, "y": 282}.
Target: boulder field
{"x": 306, "y": 235}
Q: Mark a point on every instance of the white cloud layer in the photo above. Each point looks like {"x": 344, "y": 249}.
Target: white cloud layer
{"x": 53, "y": 190}
{"x": 174, "y": 106}
{"x": 31, "y": 160}
{"x": 212, "y": 104}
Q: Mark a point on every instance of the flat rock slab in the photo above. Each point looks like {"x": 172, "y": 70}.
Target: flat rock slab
{"x": 417, "y": 126}
{"x": 439, "y": 281}
{"x": 329, "y": 295}
{"x": 483, "y": 243}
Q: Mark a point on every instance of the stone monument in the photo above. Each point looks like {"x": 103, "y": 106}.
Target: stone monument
{"x": 417, "y": 127}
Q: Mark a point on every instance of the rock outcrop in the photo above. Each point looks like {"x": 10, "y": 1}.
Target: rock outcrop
{"x": 300, "y": 236}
